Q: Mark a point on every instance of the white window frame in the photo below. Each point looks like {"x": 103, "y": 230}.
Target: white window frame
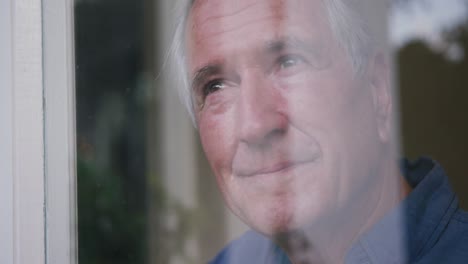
{"x": 6, "y": 135}
{"x": 37, "y": 153}
{"x": 59, "y": 132}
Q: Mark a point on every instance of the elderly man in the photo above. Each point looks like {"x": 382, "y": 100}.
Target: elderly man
{"x": 294, "y": 108}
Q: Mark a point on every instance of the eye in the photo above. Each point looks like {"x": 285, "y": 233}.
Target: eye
{"x": 289, "y": 61}
{"x": 213, "y": 86}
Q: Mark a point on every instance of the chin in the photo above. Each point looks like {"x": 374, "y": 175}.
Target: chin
{"x": 272, "y": 218}
{"x": 273, "y": 221}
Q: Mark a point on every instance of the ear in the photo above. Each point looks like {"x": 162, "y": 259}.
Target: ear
{"x": 382, "y": 95}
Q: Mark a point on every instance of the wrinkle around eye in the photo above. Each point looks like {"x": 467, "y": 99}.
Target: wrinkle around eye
{"x": 290, "y": 64}
{"x": 288, "y": 61}
{"x": 213, "y": 86}
{"x": 212, "y": 92}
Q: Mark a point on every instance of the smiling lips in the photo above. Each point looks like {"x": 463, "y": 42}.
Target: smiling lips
{"x": 271, "y": 168}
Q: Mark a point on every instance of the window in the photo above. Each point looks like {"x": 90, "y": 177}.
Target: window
{"x": 101, "y": 163}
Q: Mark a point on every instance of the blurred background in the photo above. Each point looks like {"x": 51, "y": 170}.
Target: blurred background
{"x": 145, "y": 192}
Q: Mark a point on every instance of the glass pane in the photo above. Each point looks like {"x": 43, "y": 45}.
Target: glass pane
{"x": 111, "y": 138}
{"x": 431, "y": 38}
{"x": 296, "y": 115}
{"x": 145, "y": 194}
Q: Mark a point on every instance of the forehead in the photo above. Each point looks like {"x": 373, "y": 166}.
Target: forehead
{"x": 219, "y": 14}
{"x": 232, "y": 24}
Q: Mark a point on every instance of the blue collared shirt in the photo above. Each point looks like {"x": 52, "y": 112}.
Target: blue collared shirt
{"x": 427, "y": 227}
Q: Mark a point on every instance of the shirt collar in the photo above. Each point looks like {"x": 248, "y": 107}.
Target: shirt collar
{"x": 412, "y": 228}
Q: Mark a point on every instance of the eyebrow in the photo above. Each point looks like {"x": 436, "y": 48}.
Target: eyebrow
{"x": 284, "y": 43}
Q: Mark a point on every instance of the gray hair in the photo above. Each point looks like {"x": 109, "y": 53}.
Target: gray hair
{"x": 350, "y": 21}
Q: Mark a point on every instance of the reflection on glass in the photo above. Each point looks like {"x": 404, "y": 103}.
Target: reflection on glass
{"x": 111, "y": 131}
{"x": 431, "y": 38}
{"x": 143, "y": 191}
{"x": 295, "y": 112}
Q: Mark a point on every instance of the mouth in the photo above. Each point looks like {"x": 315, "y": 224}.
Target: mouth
{"x": 275, "y": 168}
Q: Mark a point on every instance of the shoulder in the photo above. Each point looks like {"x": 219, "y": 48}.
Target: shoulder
{"x": 457, "y": 230}
{"x": 452, "y": 246}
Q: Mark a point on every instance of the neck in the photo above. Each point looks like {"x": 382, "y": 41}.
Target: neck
{"x": 328, "y": 240}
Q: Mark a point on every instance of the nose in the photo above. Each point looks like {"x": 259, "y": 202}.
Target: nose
{"x": 262, "y": 116}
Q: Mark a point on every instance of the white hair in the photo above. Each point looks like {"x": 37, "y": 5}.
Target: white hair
{"x": 349, "y": 22}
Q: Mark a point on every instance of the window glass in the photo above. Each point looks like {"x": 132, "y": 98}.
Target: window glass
{"x": 296, "y": 115}
{"x": 431, "y": 44}
{"x": 111, "y": 134}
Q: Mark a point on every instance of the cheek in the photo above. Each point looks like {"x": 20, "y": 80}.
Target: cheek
{"x": 313, "y": 104}
{"x": 217, "y": 138}
{"x": 327, "y": 100}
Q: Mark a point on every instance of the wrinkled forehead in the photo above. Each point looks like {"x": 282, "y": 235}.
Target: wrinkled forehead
{"x": 230, "y": 8}
{"x": 212, "y": 17}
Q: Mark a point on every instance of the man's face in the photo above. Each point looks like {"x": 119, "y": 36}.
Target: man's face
{"x": 290, "y": 132}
